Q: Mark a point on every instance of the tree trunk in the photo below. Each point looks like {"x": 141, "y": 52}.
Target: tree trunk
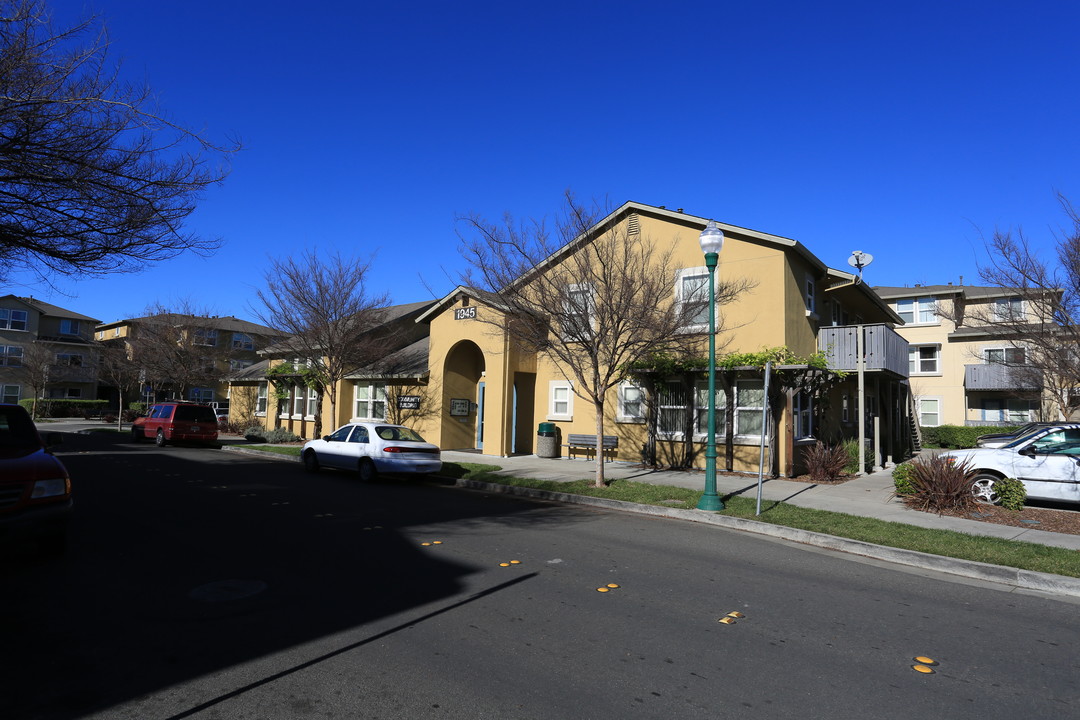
{"x": 599, "y": 407}
{"x": 119, "y": 408}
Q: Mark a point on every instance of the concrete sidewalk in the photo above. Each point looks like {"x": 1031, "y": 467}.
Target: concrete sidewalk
{"x": 866, "y": 496}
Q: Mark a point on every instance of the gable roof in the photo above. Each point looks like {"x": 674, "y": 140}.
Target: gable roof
{"x": 228, "y": 323}
{"x": 49, "y": 309}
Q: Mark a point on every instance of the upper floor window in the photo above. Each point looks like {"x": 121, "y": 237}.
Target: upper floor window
{"x": 811, "y": 295}
{"x": 242, "y": 341}
{"x": 235, "y": 364}
{"x": 1008, "y": 309}
{"x": 924, "y": 359}
{"x": 11, "y": 355}
{"x": 13, "y": 319}
{"x": 205, "y": 336}
{"x": 69, "y": 359}
{"x": 201, "y": 395}
{"x": 917, "y": 310}
{"x": 1005, "y": 356}
{"x": 692, "y": 294}
{"x": 70, "y": 327}
{"x": 578, "y": 311}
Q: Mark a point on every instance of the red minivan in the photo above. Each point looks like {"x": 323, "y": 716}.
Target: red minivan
{"x": 35, "y": 490}
{"x": 177, "y": 422}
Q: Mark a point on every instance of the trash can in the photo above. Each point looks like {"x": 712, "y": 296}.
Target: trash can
{"x": 547, "y": 440}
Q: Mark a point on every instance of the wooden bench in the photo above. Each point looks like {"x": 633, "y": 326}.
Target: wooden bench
{"x": 609, "y": 444}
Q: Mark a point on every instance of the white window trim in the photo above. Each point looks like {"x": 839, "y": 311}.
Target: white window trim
{"x": 7, "y": 321}
{"x": 916, "y": 370}
{"x": 1004, "y": 351}
{"x": 680, "y": 299}
{"x": 810, "y": 296}
{"x": 591, "y": 310}
{"x": 558, "y": 384}
{"x": 621, "y": 415}
{"x": 940, "y": 408}
{"x": 372, "y": 398}
{"x": 262, "y": 393}
{"x": 916, "y": 310}
{"x": 1008, "y": 315}
{"x": 5, "y": 391}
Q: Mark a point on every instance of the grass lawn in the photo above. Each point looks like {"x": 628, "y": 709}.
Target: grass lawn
{"x": 948, "y": 543}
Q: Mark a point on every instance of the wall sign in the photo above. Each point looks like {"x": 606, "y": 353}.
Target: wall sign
{"x": 408, "y": 402}
{"x": 465, "y": 313}
{"x": 459, "y": 406}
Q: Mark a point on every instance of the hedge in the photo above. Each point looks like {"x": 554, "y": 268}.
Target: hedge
{"x": 959, "y": 436}
{"x": 65, "y": 407}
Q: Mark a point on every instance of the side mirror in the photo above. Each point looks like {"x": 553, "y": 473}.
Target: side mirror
{"x": 326, "y": 438}
{"x": 1028, "y": 451}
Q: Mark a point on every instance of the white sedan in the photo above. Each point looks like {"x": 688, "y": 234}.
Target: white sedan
{"x": 372, "y": 448}
{"x": 1046, "y": 460}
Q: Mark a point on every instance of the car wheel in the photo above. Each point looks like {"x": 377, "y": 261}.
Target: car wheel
{"x": 983, "y": 489}
{"x": 159, "y": 439}
{"x": 311, "y": 461}
{"x": 368, "y": 473}
{"x": 136, "y": 435}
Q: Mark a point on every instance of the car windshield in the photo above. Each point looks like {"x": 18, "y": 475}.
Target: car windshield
{"x": 396, "y": 432}
{"x": 194, "y": 413}
{"x": 1021, "y": 439}
{"x": 17, "y": 430}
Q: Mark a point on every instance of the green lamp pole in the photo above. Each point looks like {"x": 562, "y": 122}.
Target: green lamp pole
{"x": 712, "y": 239}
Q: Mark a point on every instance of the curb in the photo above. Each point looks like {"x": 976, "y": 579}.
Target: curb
{"x": 262, "y": 453}
{"x": 1026, "y": 579}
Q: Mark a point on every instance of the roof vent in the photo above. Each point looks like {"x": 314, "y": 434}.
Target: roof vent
{"x": 633, "y": 224}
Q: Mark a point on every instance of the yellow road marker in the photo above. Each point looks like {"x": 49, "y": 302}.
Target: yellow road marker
{"x": 923, "y": 669}
{"x": 612, "y": 585}
{"x": 726, "y": 621}
{"x": 604, "y": 589}
{"x": 515, "y": 562}
{"x": 504, "y": 564}
{"x": 425, "y": 544}
{"x": 436, "y": 542}
{"x": 925, "y": 660}
{"x": 735, "y": 614}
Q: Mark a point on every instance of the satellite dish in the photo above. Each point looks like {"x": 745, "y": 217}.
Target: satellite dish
{"x": 859, "y": 260}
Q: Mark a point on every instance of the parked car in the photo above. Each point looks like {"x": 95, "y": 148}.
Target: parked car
{"x": 996, "y": 440}
{"x": 35, "y": 490}
{"x": 177, "y": 422}
{"x": 372, "y": 448}
{"x": 222, "y": 415}
{"x": 1046, "y": 460}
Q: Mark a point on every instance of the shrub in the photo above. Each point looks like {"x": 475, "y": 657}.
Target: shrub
{"x": 940, "y": 484}
{"x": 137, "y": 408}
{"x": 108, "y": 418}
{"x": 277, "y": 435}
{"x": 1011, "y": 493}
{"x": 825, "y": 463}
{"x": 232, "y": 427}
{"x": 901, "y": 476}
{"x": 957, "y": 436}
{"x": 66, "y": 407}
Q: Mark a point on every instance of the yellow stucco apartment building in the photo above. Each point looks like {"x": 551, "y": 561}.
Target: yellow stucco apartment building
{"x": 464, "y": 384}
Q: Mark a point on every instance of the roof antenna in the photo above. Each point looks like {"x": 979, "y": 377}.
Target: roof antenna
{"x": 859, "y": 260}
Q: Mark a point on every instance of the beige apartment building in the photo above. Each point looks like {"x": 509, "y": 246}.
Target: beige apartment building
{"x": 961, "y": 371}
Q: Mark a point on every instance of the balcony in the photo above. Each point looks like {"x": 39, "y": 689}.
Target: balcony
{"x": 995, "y": 376}
{"x": 883, "y": 348}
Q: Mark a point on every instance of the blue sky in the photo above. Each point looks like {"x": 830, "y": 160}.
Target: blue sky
{"x": 905, "y": 130}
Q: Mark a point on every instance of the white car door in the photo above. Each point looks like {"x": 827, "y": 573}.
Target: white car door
{"x": 334, "y": 451}
{"x": 1050, "y": 466}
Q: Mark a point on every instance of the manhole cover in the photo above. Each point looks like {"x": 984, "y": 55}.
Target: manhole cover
{"x": 225, "y": 590}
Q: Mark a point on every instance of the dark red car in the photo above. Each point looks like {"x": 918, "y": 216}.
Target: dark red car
{"x": 35, "y": 490}
{"x": 177, "y": 422}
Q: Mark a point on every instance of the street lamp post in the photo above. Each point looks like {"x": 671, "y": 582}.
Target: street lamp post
{"x": 712, "y": 239}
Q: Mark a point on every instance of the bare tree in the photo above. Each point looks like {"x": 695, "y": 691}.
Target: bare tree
{"x": 117, "y": 370}
{"x": 93, "y": 178}
{"x": 589, "y": 298}
{"x": 37, "y": 369}
{"x": 331, "y": 317}
{"x": 177, "y": 348}
{"x": 1045, "y": 324}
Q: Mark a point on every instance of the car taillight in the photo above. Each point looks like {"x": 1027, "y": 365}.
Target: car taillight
{"x": 393, "y": 449}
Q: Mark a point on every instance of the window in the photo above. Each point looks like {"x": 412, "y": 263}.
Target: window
{"x": 299, "y": 399}
{"x": 811, "y": 296}
{"x": 749, "y": 407}
{"x": 205, "y": 336}
{"x": 12, "y": 319}
{"x": 11, "y": 355}
{"x": 929, "y": 412}
{"x": 116, "y": 332}
{"x": 72, "y": 393}
{"x": 631, "y": 403}
{"x": 845, "y": 416}
{"x": 69, "y": 359}
{"x": 70, "y": 327}
{"x": 260, "y": 400}
{"x": 370, "y": 401}
{"x": 692, "y": 293}
{"x": 837, "y": 313}
{"x": 802, "y": 410}
{"x": 242, "y": 341}
{"x": 359, "y": 435}
{"x": 1008, "y": 309}
{"x": 560, "y": 400}
{"x": 341, "y": 434}
{"x": 701, "y": 412}
{"x": 10, "y": 394}
{"x": 1005, "y": 356}
{"x": 201, "y": 395}
{"x": 923, "y": 359}
{"x": 673, "y": 401}
{"x": 671, "y": 404}
{"x": 578, "y": 309}
{"x": 312, "y": 402}
{"x": 917, "y": 310}
{"x": 239, "y": 364}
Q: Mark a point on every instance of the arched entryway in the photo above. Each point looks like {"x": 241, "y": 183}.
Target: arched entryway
{"x": 463, "y": 397}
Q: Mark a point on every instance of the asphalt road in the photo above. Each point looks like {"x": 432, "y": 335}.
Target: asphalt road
{"x": 204, "y": 584}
